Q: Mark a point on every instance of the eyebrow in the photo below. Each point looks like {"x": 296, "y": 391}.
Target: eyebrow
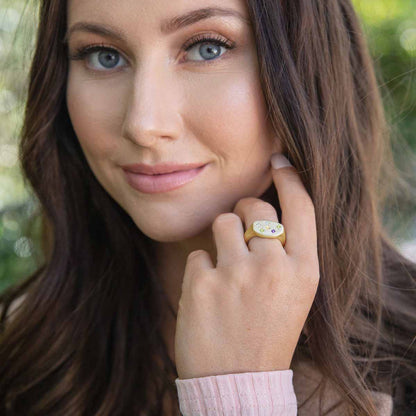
{"x": 168, "y": 26}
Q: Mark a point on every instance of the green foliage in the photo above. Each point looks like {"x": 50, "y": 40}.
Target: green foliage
{"x": 19, "y": 220}
{"x": 390, "y": 26}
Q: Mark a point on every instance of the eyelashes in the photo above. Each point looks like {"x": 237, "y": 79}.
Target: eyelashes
{"x": 88, "y": 51}
{"x": 214, "y": 39}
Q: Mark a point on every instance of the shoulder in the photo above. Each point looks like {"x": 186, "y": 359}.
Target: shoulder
{"x": 306, "y": 378}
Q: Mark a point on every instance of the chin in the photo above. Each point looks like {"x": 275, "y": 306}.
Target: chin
{"x": 164, "y": 234}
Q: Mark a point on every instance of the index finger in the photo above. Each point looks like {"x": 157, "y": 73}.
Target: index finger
{"x": 298, "y": 211}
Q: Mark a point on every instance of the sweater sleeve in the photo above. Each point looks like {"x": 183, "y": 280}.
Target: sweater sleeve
{"x": 256, "y": 393}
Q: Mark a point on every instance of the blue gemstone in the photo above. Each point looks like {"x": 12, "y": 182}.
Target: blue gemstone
{"x": 273, "y": 231}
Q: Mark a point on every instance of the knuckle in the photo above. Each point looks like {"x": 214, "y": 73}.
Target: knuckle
{"x": 253, "y": 204}
{"x": 241, "y": 283}
{"x": 194, "y": 254}
{"x": 226, "y": 217}
{"x": 262, "y": 206}
{"x": 243, "y": 202}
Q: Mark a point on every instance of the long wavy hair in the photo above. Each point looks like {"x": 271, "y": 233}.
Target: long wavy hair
{"x": 87, "y": 338}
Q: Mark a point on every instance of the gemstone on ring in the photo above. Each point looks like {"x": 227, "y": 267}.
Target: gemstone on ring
{"x": 268, "y": 228}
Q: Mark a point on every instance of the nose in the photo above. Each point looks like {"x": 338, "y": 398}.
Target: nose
{"x": 153, "y": 106}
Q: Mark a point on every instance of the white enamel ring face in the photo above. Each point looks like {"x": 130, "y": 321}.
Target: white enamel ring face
{"x": 268, "y": 229}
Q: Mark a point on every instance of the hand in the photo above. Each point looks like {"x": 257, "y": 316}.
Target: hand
{"x": 247, "y": 313}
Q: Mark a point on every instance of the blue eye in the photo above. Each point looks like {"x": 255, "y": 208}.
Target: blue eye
{"x": 108, "y": 57}
{"x": 206, "y": 48}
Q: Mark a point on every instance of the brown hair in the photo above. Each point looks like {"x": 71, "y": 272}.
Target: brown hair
{"x": 86, "y": 340}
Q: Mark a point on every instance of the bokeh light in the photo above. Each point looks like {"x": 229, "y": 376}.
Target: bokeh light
{"x": 8, "y": 155}
{"x": 23, "y": 247}
{"x": 408, "y": 40}
{"x": 9, "y": 19}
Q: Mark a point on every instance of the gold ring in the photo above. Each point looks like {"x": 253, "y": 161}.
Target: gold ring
{"x": 266, "y": 229}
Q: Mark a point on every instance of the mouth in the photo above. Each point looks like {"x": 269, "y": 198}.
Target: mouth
{"x": 160, "y": 168}
{"x": 162, "y": 182}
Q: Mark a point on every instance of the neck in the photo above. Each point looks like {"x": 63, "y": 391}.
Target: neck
{"x": 170, "y": 260}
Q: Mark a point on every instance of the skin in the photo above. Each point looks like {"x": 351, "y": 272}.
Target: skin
{"x": 160, "y": 103}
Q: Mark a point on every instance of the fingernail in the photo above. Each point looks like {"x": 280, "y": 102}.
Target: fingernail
{"x": 279, "y": 161}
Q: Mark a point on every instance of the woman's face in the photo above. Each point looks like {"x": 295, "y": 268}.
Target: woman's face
{"x": 148, "y": 100}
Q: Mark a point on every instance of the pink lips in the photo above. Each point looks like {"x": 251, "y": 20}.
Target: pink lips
{"x": 152, "y": 184}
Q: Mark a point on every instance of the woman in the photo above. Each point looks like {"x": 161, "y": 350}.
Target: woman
{"x": 150, "y": 285}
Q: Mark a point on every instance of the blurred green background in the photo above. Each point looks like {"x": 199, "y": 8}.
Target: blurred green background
{"x": 390, "y": 27}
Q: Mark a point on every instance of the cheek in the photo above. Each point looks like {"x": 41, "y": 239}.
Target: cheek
{"x": 228, "y": 112}
{"x": 91, "y": 114}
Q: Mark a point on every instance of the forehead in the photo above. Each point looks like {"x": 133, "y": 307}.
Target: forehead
{"x": 144, "y": 14}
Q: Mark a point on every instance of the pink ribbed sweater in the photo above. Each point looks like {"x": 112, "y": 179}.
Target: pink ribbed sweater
{"x": 262, "y": 393}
